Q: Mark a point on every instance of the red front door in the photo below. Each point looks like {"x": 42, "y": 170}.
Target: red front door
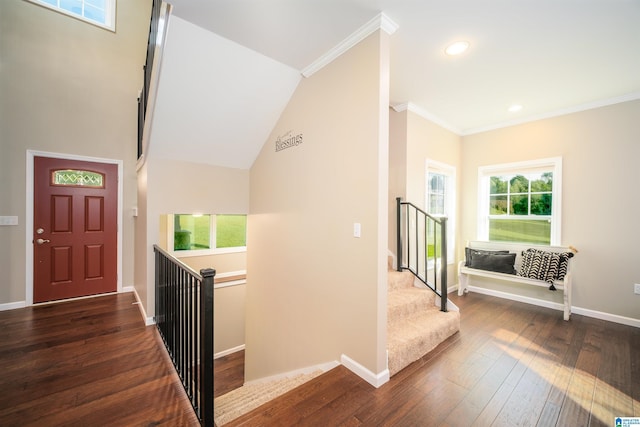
{"x": 74, "y": 228}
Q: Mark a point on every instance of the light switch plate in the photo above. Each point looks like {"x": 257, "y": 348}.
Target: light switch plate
{"x": 8, "y": 220}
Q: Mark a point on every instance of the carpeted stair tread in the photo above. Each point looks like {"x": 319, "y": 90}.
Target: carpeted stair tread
{"x": 407, "y": 301}
{"x": 248, "y": 397}
{"x": 411, "y": 338}
{"x": 399, "y": 279}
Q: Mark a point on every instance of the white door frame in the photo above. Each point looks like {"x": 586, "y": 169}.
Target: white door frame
{"x": 29, "y": 214}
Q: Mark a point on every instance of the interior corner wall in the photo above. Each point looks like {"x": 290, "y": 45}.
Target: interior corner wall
{"x": 313, "y": 289}
{"x": 174, "y": 186}
{"x": 600, "y": 176}
{"x": 67, "y": 87}
{"x": 397, "y": 170}
{"x": 427, "y": 140}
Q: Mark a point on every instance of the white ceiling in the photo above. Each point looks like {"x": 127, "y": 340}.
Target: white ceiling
{"x": 550, "y": 56}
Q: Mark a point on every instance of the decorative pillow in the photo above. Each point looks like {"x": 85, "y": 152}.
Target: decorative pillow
{"x": 564, "y": 264}
{"x": 498, "y": 262}
{"x": 469, "y": 253}
{"x": 540, "y": 265}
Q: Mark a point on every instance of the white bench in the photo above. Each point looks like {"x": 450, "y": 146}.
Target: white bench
{"x": 563, "y": 286}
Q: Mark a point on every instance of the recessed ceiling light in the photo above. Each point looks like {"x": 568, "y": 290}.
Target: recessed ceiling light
{"x": 456, "y": 48}
{"x": 515, "y": 107}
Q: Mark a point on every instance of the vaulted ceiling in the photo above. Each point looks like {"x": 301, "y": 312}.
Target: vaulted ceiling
{"x": 549, "y": 56}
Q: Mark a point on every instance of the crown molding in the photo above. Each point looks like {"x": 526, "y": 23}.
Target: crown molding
{"x": 380, "y": 22}
{"x": 426, "y": 115}
{"x": 471, "y": 131}
{"x": 574, "y": 109}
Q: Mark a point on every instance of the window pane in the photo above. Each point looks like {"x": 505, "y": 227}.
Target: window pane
{"x": 191, "y": 232}
{"x": 94, "y": 14}
{"x": 436, "y": 204}
{"x": 519, "y": 205}
{"x": 436, "y": 183}
{"x": 74, "y": 6}
{"x": 231, "y": 231}
{"x": 542, "y": 182}
{"x": 541, "y": 204}
{"x": 515, "y": 230}
{"x": 77, "y": 178}
{"x": 498, "y": 185}
{"x": 93, "y": 11}
{"x": 498, "y": 205}
{"x": 519, "y": 184}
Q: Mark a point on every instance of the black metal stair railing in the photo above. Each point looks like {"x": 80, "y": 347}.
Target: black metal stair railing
{"x": 422, "y": 247}
{"x": 184, "y": 318}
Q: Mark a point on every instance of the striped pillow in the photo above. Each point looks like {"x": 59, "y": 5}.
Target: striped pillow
{"x": 540, "y": 265}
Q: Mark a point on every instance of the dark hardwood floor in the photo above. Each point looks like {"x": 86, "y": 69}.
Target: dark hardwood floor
{"x": 89, "y": 362}
{"x": 512, "y": 364}
{"x": 93, "y": 362}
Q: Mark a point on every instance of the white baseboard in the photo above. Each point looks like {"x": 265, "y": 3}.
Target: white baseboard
{"x": 148, "y": 321}
{"x": 227, "y": 352}
{"x": 375, "y": 380}
{"x": 629, "y": 321}
{"x": 557, "y": 306}
{"x": 13, "y": 305}
{"x": 324, "y": 367}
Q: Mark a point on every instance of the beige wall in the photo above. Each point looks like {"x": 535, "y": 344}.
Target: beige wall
{"x": 413, "y": 141}
{"x": 426, "y": 140}
{"x": 65, "y": 87}
{"x": 229, "y": 314}
{"x": 222, "y": 263}
{"x": 170, "y": 186}
{"x": 314, "y": 292}
{"x": 397, "y": 170}
{"x": 600, "y": 150}
{"x": 228, "y": 301}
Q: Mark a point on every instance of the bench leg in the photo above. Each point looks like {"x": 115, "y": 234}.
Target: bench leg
{"x": 462, "y": 284}
{"x": 567, "y": 296}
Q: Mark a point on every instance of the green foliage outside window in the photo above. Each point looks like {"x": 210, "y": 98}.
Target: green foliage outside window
{"x": 194, "y": 232}
{"x": 515, "y": 202}
{"x": 231, "y": 231}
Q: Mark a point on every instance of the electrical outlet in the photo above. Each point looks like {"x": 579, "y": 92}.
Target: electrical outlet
{"x": 636, "y": 288}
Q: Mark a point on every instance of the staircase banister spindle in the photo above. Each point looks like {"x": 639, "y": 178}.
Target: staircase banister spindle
{"x": 404, "y": 236}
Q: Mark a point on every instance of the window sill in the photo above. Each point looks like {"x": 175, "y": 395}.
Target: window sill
{"x": 205, "y": 252}
{"x": 234, "y": 278}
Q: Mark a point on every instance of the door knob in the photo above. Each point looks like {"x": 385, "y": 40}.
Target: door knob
{"x": 41, "y": 241}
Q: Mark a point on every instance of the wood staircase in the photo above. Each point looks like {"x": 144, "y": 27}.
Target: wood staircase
{"x": 415, "y": 325}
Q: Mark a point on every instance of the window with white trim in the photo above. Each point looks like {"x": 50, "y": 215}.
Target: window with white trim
{"x": 204, "y": 234}
{"x": 521, "y": 202}
{"x": 98, "y": 12}
{"x": 441, "y": 202}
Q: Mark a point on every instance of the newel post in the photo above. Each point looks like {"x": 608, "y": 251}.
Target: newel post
{"x": 206, "y": 346}
{"x": 444, "y": 266}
